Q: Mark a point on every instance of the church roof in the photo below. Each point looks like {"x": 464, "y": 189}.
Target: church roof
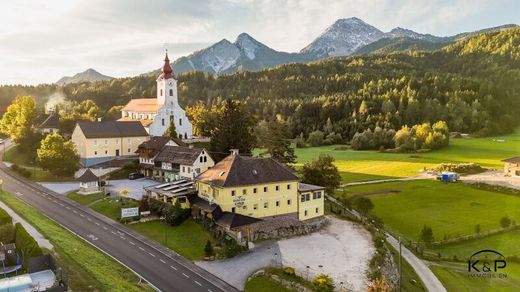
{"x": 142, "y": 105}
{"x": 145, "y": 123}
{"x": 167, "y": 71}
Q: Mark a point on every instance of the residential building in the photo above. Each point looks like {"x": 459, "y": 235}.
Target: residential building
{"x": 181, "y": 162}
{"x": 512, "y": 166}
{"x": 88, "y": 182}
{"x": 51, "y": 124}
{"x": 155, "y": 114}
{"x": 98, "y": 142}
{"x": 148, "y": 150}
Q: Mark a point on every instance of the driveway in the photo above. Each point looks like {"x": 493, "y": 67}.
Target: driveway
{"x": 61, "y": 188}
{"x": 341, "y": 250}
{"x": 494, "y": 177}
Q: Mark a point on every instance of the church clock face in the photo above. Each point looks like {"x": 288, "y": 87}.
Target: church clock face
{"x": 170, "y": 83}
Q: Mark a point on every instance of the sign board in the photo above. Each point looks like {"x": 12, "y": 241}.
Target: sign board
{"x": 145, "y": 213}
{"x": 129, "y": 212}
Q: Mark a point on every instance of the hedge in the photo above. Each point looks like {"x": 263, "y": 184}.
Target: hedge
{"x": 25, "y": 243}
{"x": 5, "y": 218}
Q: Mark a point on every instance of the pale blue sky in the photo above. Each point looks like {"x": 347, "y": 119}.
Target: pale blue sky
{"x": 41, "y": 41}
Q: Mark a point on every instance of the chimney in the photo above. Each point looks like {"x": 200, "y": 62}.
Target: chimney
{"x": 233, "y": 151}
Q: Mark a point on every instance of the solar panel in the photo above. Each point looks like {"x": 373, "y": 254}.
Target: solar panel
{"x": 179, "y": 190}
{"x": 178, "y": 182}
{"x": 162, "y": 186}
{"x": 187, "y": 184}
{"x": 170, "y": 188}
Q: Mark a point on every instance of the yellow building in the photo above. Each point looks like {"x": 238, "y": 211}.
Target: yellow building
{"x": 259, "y": 188}
{"x": 512, "y": 166}
{"x": 98, "y": 142}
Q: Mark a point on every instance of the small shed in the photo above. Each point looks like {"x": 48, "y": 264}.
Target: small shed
{"x": 512, "y": 166}
{"x": 88, "y": 182}
{"x": 51, "y": 124}
{"x": 448, "y": 176}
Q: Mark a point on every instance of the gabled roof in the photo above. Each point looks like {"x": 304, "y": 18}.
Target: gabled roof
{"x": 308, "y": 187}
{"x": 142, "y": 105}
{"x": 236, "y": 170}
{"x": 112, "y": 129}
{"x": 512, "y": 159}
{"x": 156, "y": 143}
{"x": 52, "y": 121}
{"x": 233, "y": 220}
{"x": 145, "y": 123}
{"x": 87, "y": 176}
{"x": 178, "y": 155}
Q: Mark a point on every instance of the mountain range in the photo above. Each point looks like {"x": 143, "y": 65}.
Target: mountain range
{"x": 89, "y": 75}
{"x": 348, "y": 36}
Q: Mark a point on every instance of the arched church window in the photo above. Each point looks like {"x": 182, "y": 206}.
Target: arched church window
{"x": 180, "y": 122}
{"x": 171, "y": 92}
{"x": 161, "y": 92}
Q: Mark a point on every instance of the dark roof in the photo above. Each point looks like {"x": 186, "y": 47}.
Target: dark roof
{"x": 202, "y": 204}
{"x": 178, "y": 155}
{"x": 112, "y": 129}
{"x": 52, "y": 121}
{"x": 87, "y": 176}
{"x": 236, "y": 170}
{"x": 156, "y": 143}
{"x": 233, "y": 220}
{"x": 9, "y": 246}
{"x": 512, "y": 159}
{"x": 308, "y": 187}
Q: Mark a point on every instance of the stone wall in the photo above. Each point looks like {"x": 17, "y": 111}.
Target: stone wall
{"x": 285, "y": 226}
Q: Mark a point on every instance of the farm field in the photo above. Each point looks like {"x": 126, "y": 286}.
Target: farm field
{"x": 368, "y": 165}
{"x": 451, "y": 210}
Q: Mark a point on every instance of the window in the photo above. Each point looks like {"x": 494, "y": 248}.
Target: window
{"x": 307, "y": 197}
{"x": 317, "y": 210}
{"x": 277, "y": 188}
{"x": 233, "y": 210}
{"x": 266, "y": 205}
{"x": 244, "y": 207}
{"x": 106, "y": 151}
{"x": 205, "y": 159}
{"x": 288, "y": 202}
{"x": 128, "y": 141}
{"x": 288, "y": 187}
{"x": 316, "y": 195}
{"x": 255, "y": 206}
{"x": 265, "y": 189}
{"x": 161, "y": 93}
{"x": 254, "y": 190}
{"x": 106, "y": 141}
{"x": 233, "y": 192}
{"x": 171, "y": 92}
{"x": 162, "y": 122}
{"x": 95, "y": 142}
{"x": 244, "y": 192}
{"x": 95, "y": 152}
{"x": 200, "y": 159}
{"x": 189, "y": 169}
{"x": 277, "y": 203}
{"x": 304, "y": 213}
{"x": 302, "y": 198}
{"x": 180, "y": 122}
{"x": 117, "y": 141}
{"x": 128, "y": 150}
{"x": 183, "y": 169}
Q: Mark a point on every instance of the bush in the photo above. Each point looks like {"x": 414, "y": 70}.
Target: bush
{"x": 289, "y": 271}
{"x": 315, "y": 138}
{"x": 468, "y": 168}
{"x": 25, "y": 243}
{"x": 208, "y": 249}
{"x": 232, "y": 248}
{"x": 15, "y": 167}
{"x": 505, "y": 222}
{"x": 323, "y": 283}
{"x": 5, "y": 218}
{"x": 6, "y": 233}
{"x": 175, "y": 214}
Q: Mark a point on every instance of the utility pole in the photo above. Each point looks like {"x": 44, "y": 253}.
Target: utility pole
{"x": 399, "y": 263}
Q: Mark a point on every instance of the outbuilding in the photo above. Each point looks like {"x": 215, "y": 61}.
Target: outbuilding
{"x": 88, "y": 182}
{"x": 512, "y": 166}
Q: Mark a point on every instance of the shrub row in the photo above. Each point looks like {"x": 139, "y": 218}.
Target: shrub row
{"x": 20, "y": 170}
{"x": 173, "y": 214}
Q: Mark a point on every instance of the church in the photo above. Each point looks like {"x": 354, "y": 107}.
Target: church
{"x": 156, "y": 114}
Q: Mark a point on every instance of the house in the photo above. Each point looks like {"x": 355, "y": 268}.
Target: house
{"x": 181, "y": 162}
{"x": 155, "y": 114}
{"x": 512, "y": 166}
{"x": 51, "y": 124}
{"x": 88, "y": 182}
{"x": 259, "y": 188}
{"x": 98, "y": 142}
{"x": 148, "y": 150}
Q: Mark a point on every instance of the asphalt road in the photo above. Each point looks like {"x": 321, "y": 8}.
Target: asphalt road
{"x": 160, "y": 267}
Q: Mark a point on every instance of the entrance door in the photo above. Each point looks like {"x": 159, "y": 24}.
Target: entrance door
{"x": 117, "y": 152}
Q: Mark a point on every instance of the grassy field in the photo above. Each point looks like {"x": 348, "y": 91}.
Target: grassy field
{"x": 85, "y": 199}
{"x": 367, "y": 165}
{"x": 451, "y": 210}
{"x": 112, "y": 209}
{"x": 88, "y": 269}
{"x": 37, "y": 174}
{"x": 264, "y": 284}
{"x": 187, "y": 239}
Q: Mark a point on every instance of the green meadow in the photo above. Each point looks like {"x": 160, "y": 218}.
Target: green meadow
{"x": 368, "y": 165}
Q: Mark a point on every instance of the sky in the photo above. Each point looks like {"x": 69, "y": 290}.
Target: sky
{"x": 42, "y": 41}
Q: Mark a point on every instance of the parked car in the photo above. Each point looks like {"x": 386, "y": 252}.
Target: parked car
{"x": 135, "y": 175}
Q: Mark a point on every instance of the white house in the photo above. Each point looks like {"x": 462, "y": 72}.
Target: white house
{"x": 88, "y": 182}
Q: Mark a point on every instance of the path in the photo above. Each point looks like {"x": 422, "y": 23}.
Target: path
{"x": 377, "y": 181}
{"x": 429, "y": 279}
{"x": 42, "y": 241}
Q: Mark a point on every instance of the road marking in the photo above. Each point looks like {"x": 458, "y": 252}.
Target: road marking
{"x": 141, "y": 248}
{"x": 210, "y": 290}
{"x": 19, "y": 194}
{"x": 104, "y": 227}
{"x": 173, "y": 268}
{"x": 97, "y": 223}
{"x": 113, "y": 232}
{"x": 75, "y": 212}
{"x": 89, "y": 219}
{"x": 62, "y": 205}
{"x": 151, "y": 254}
{"x": 162, "y": 261}
{"x": 81, "y": 215}
{"x": 132, "y": 243}
{"x": 68, "y": 208}
{"x": 185, "y": 275}
{"x": 122, "y": 237}
{"x": 197, "y": 283}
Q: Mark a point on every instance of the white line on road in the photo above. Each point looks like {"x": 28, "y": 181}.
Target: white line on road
{"x": 132, "y": 243}
{"x": 197, "y": 283}
{"x": 81, "y": 215}
{"x": 104, "y": 227}
{"x": 185, "y": 275}
{"x": 97, "y": 223}
{"x": 151, "y": 254}
{"x": 162, "y": 261}
{"x": 173, "y": 268}
{"x": 122, "y": 237}
{"x": 141, "y": 248}
{"x": 68, "y": 208}
{"x": 75, "y": 212}
{"x": 113, "y": 232}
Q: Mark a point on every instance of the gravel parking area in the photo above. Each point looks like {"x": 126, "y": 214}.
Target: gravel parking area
{"x": 342, "y": 250}
{"x": 135, "y": 187}
{"x": 495, "y": 177}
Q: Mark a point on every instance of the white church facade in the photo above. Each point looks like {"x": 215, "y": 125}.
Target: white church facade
{"x": 156, "y": 113}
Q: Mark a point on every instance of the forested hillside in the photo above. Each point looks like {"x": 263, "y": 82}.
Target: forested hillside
{"x": 474, "y": 85}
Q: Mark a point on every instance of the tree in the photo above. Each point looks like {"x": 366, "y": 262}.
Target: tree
{"x": 202, "y": 119}
{"x": 322, "y": 172}
{"x": 277, "y": 142}
{"x": 175, "y": 214}
{"x": 19, "y": 118}
{"x": 208, "y": 249}
{"x": 171, "y": 131}
{"x": 477, "y": 229}
{"x": 57, "y": 155}
{"x": 505, "y": 222}
{"x": 403, "y": 139}
{"x": 426, "y": 235}
{"x": 234, "y": 130}
{"x": 315, "y": 138}
{"x": 363, "y": 205}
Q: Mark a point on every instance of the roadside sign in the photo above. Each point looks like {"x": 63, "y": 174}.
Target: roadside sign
{"x": 129, "y": 212}
{"x": 145, "y": 213}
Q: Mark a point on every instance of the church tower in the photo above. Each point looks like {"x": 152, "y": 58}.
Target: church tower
{"x": 167, "y": 86}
